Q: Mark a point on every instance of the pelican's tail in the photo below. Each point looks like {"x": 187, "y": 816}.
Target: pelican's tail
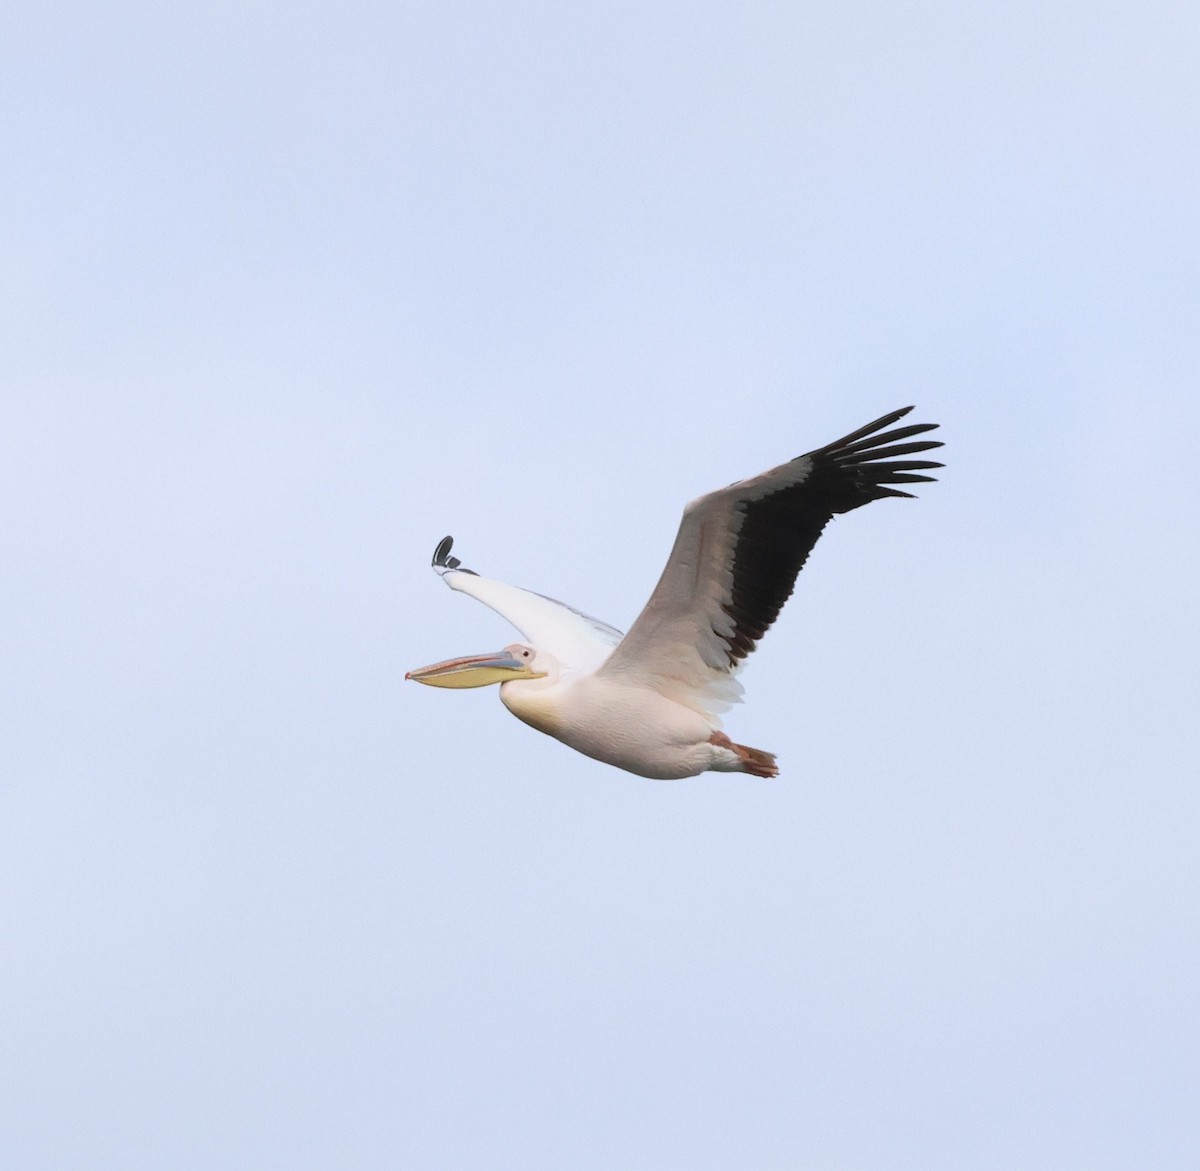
{"x": 745, "y": 759}
{"x": 756, "y": 762}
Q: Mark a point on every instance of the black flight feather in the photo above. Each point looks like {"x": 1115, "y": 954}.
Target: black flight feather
{"x": 779, "y": 529}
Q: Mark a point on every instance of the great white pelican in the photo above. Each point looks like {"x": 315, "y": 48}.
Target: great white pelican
{"x": 650, "y": 701}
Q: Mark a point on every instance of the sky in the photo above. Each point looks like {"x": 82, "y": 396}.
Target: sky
{"x": 289, "y": 292}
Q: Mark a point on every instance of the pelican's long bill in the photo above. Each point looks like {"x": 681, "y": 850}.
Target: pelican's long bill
{"x": 474, "y": 671}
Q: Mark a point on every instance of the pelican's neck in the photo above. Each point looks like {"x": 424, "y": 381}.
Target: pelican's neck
{"x": 535, "y": 702}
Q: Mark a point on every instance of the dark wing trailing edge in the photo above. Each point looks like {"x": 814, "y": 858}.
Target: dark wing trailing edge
{"x": 738, "y": 552}
{"x": 443, "y": 560}
{"x": 781, "y": 524}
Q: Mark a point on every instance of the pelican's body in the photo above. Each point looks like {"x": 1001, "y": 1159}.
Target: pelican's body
{"x": 634, "y": 728}
{"x": 650, "y": 701}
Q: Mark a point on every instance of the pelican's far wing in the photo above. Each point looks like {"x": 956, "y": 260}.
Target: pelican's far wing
{"x": 739, "y": 551}
{"x": 577, "y": 641}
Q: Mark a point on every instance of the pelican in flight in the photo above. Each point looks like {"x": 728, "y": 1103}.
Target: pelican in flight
{"x": 650, "y": 701}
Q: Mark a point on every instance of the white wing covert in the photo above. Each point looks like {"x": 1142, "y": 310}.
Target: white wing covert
{"x": 577, "y": 641}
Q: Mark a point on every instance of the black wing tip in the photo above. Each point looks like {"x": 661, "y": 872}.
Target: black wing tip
{"x": 879, "y": 440}
{"x": 875, "y": 433}
{"x": 894, "y": 417}
{"x": 443, "y": 560}
{"x": 857, "y": 467}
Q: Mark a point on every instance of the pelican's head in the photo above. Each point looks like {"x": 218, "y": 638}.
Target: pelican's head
{"x": 514, "y": 662}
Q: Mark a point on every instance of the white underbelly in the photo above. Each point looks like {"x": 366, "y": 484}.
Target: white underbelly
{"x": 633, "y": 728}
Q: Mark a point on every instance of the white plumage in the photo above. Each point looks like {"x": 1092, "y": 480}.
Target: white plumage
{"x": 650, "y": 701}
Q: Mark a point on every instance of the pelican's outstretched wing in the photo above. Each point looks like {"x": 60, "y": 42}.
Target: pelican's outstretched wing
{"x": 737, "y": 555}
{"x": 575, "y": 640}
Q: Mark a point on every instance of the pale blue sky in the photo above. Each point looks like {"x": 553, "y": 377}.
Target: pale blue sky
{"x": 289, "y": 292}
